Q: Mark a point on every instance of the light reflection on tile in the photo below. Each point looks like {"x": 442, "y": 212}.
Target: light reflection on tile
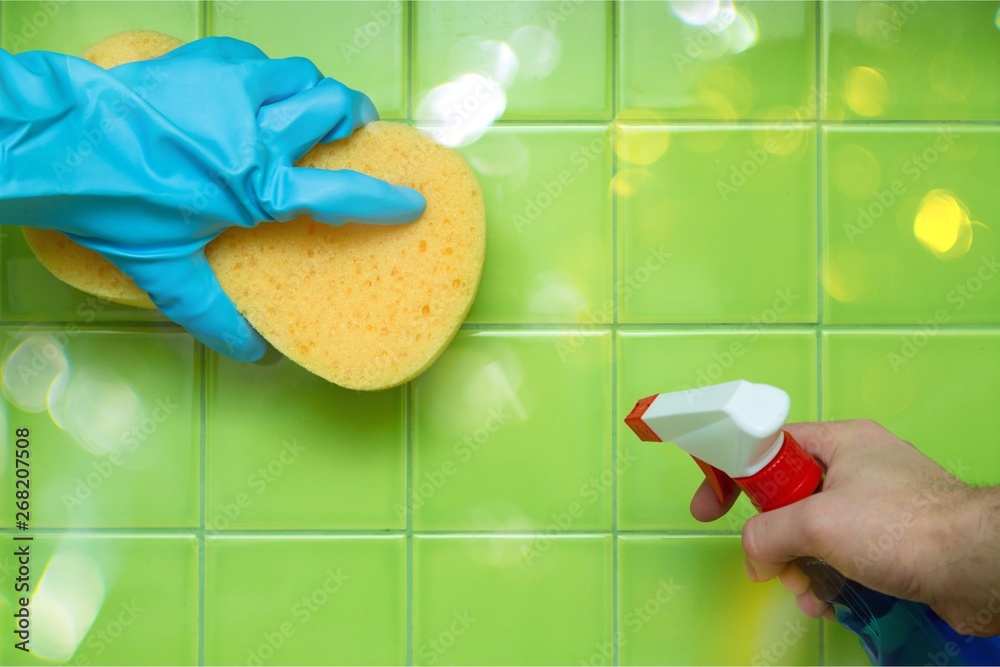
{"x": 910, "y": 228}
{"x": 493, "y": 420}
{"x": 908, "y": 60}
{"x": 717, "y": 60}
{"x": 477, "y": 593}
{"x": 550, "y": 59}
{"x": 674, "y": 588}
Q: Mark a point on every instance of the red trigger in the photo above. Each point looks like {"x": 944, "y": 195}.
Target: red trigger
{"x": 720, "y": 482}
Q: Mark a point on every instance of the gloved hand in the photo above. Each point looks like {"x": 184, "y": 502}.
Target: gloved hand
{"x": 147, "y": 162}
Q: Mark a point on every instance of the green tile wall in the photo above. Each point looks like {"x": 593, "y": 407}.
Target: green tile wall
{"x": 793, "y": 192}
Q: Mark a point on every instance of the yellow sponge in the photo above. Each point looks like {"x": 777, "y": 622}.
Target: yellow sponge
{"x": 364, "y": 306}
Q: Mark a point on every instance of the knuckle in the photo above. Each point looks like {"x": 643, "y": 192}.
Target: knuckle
{"x": 868, "y": 428}
{"x": 752, "y": 539}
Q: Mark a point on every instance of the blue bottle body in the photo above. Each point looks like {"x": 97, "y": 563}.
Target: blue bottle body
{"x": 893, "y": 631}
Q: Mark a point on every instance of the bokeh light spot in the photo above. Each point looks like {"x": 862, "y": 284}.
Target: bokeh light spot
{"x": 696, "y": 12}
{"x": 641, "y": 148}
{"x": 849, "y": 274}
{"x": 877, "y": 23}
{"x": 866, "y": 91}
{"x": 32, "y": 369}
{"x": 942, "y": 225}
{"x": 65, "y": 603}
{"x": 538, "y": 51}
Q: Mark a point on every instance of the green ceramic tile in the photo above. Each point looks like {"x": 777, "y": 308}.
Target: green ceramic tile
{"x": 362, "y": 44}
{"x": 547, "y": 60}
{"x": 512, "y": 431}
{"x": 28, "y": 292}
{"x": 705, "y": 60}
{"x": 911, "y": 225}
{"x": 937, "y": 389}
{"x": 105, "y": 600}
{"x": 114, "y": 426}
{"x": 71, "y": 26}
{"x": 499, "y": 600}
{"x": 676, "y": 593}
{"x": 716, "y": 224}
{"x": 549, "y": 225}
{"x": 305, "y": 601}
{"x": 656, "y": 481}
{"x": 288, "y": 450}
{"x": 911, "y": 60}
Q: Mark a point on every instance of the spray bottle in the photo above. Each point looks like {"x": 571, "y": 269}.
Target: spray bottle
{"x": 734, "y": 433}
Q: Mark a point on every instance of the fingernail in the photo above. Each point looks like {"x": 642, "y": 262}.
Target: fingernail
{"x": 749, "y": 569}
{"x": 368, "y": 112}
{"x": 413, "y": 198}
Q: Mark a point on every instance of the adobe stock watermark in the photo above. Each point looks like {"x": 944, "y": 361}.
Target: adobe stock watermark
{"x": 256, "y": 485}
{"x": 635, "y": 621}
{"x": 588, "y": 495}
{"x": 756, "y": 159}
{"x": 32, "y": 25}
{"x": 710, "y": 374}
{"x": 101, "y": 639}
{"x": 983, "y": 620}
{"x": 301, "y": 612}
{"x": 705, "y": 40}
{"x": 893, "y": 25}
{"x": 776, "y": 653}
{"x": 368, "y": 33}
{"x": 129, "y": 442}
{"x": 958, "y": 297}
{"x": 913, "y": 168}
{"x": 462, "y": 451}
{"x": 432, "y": 650}
{"x": 893, "y": 532}
{"x": 119, "y": 111}
{"x": 201, "y": 197}
{"x": 627, "y": 287}
{"x": 38, "y": 361}
{"x": 225, "y": 7}
{"x": 561, "y": 13}
{"x": 551, "y": 189}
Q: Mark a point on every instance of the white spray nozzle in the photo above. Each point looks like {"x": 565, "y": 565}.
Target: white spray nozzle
{"x": 735, "y": 426}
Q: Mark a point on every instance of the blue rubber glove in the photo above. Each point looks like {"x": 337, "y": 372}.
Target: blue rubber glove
{"x": 147, "y": 162}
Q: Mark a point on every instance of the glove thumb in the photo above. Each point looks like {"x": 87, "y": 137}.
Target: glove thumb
{"x": 186, "y": 290}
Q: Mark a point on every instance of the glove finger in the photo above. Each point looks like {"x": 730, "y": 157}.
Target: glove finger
{"x": 273, "y": 80}
{"x": 336, "y": 197}
{"x": 186, "y": 290}
{"x": 224, "y": 47}
{"x": 326, "y": 112}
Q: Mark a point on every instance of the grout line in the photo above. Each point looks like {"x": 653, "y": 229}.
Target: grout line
{"x": 736, "y": 123}
{"x": 543, "y": 327}
{"x": 820, "y": 89}
{"x": 202, "y": 441}
{"x": 202, "y": 476}
{"x": 615, "y": 628}
{"x": 408, "y": 388}
{"x": 409, "y": 61}
{"x": 300, "y": 533}
{"x": 408, "y": 499}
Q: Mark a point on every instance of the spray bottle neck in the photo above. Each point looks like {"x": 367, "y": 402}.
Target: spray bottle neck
{"x": 789, "y": 477}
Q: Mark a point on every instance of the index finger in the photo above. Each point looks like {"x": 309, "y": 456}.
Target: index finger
{"x": 705, "y": 506}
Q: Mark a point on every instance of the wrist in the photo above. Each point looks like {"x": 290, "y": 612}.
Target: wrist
{"x": 974, "y": 569}
{"x": 984, "y": 524}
